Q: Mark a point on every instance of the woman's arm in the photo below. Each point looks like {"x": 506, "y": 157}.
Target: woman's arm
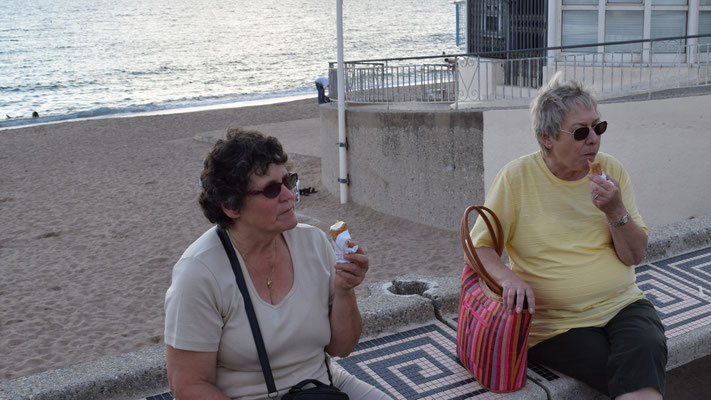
{"x": 191, "y": 374}
{"x": 515, "y": 289}
{"x": 345, "y": 320}
{"x": 630, "y": 240}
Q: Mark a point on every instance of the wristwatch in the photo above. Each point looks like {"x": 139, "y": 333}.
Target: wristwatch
{"x": 621, "y": 222}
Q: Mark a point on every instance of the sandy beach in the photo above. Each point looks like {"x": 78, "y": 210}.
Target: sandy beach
{"x": 94, "y": 213}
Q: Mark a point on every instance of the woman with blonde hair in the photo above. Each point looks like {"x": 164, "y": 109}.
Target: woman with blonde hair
{"x": 573, "y": 239}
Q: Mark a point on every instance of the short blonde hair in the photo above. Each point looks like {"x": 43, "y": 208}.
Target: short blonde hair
{"x": 554, "y": 101}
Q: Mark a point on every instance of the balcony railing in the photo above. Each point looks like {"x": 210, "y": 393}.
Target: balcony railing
{"x": 648, "y": 66}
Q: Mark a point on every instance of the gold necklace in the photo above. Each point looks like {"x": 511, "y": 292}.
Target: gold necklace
{"x": 274, "y": 261}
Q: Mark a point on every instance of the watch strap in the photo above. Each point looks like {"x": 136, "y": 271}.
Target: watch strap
{"x": 625, "y": 218}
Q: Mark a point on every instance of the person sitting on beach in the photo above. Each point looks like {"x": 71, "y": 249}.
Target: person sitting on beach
{"x": 304, "y": 301}
{"x": 321, "y": 86}
{"x": 573, "y": 238}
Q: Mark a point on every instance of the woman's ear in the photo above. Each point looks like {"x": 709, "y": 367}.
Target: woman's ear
{"x": 547, "y": 141}
{"x": 234, "y": 214}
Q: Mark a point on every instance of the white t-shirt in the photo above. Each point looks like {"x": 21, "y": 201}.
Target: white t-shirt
{"x": 204, "y": 312}
{"x": 323, "y": 81}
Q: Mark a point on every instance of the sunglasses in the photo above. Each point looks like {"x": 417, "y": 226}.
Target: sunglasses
{"x": 272, "y": 190}
{"x": 582, "y": 132}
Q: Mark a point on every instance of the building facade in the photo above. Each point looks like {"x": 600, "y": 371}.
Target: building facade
{"x": 502, "y": 25}
{"x": 575, "y": 22}
{"x": 505, "y": 25}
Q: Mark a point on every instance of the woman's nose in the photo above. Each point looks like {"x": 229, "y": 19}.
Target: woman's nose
{"x": 593, "y": 137}
{"x": 288, "y": 195}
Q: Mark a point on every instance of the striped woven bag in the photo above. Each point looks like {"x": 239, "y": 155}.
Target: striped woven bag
{"x": 491, "y": 343}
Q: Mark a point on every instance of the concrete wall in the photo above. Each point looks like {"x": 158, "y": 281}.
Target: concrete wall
{"x": 428, "y": 166}
{"x": 425, "y": 166}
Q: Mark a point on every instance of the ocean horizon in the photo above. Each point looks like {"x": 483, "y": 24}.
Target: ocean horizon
{"x": 86, "y": 59}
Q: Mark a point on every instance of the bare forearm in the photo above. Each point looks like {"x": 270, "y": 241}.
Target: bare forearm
{"x": 494, "y": 266}
{"x": 192, "y": 374}
{"x": 346, "y": 324}
{"x": 200, "y": 391}
{"x": 630, "y": 242}
{"x": 629, "y": 239}
{"x": 515, "y": 291}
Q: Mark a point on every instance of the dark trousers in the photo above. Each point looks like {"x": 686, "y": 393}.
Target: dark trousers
{"x": 627, "y": 354}
{"x": 321, "y": 93}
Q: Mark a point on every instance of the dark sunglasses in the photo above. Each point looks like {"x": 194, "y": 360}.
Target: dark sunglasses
{"x": 582, "y": 132}
{"x": 272, "y": 190}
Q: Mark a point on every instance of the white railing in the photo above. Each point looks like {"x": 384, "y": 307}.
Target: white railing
{"x": 654, "y": 65}
{"x": 398, "y": 82}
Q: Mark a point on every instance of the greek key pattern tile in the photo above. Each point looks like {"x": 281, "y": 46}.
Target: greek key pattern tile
{"x": 162, "y": 396}
{"x": 680, "y": 288}
{"x": 420, "y": 363}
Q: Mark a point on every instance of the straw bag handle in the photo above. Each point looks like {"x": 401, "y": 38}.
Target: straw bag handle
{"x": 470, "y": 252}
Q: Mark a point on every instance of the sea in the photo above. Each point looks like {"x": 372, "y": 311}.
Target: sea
{"x": 73, "y": 59}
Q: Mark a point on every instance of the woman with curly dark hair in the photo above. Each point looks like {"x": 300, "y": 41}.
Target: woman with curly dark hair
{"x": 305, "y": 303}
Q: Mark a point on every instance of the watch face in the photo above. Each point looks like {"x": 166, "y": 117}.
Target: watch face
{"x": 622, "y": 221}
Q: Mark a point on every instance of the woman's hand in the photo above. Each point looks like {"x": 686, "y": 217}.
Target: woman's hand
{"x": 629, "y": 240}
{"x": 607, "y": 197}
{"x": 351, "y": 274}
{"x": 345, "y": 320}
{"x": 517, "y": 293}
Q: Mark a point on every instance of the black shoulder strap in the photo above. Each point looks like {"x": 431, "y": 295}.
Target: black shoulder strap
{"x": 258, "y": 341}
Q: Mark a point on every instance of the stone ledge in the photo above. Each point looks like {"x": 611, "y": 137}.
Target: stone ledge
{"x": 126, "y": 376}
{"x": 392, "y": 306}
{"x": 679, "y": 237}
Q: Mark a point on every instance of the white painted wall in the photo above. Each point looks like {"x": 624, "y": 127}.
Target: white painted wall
{"x": 665, "y": 146}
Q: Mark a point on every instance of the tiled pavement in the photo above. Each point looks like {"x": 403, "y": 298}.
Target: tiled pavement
{"x": 421, "y": 363}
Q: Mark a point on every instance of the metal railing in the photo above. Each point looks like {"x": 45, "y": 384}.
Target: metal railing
{"x": 627, "y": 67}
{"x": 397, "y": 81}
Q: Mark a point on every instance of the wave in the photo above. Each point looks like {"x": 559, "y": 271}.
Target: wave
{"x": 98, "y": 69}
{"x": 103, "y": 112}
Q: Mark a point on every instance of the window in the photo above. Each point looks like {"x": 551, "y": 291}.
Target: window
{"x": 579, "y": 27}
{"x": 491, "y": 19}
{"x": 669, "y": 2}
{"x": 668, "y": 24}
{"x": 623, "y": 25}
{"x": 705, "y": 29}
{"x": 626, "y": 20}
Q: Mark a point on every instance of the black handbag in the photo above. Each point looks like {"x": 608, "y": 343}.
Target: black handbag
{"x": 319, "y": 390}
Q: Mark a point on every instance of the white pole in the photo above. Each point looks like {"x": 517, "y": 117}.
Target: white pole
{"x": 693, "y": 29}
{"x": 342, "y": 161}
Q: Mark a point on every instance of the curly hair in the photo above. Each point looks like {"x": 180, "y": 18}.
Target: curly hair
{"x": 554, "y": 101}
{"x": 228, "y": 168}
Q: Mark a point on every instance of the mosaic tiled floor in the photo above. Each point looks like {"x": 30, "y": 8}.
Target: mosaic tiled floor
{"x": 680, "y": 288}
{"x": 421, "y": 363}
